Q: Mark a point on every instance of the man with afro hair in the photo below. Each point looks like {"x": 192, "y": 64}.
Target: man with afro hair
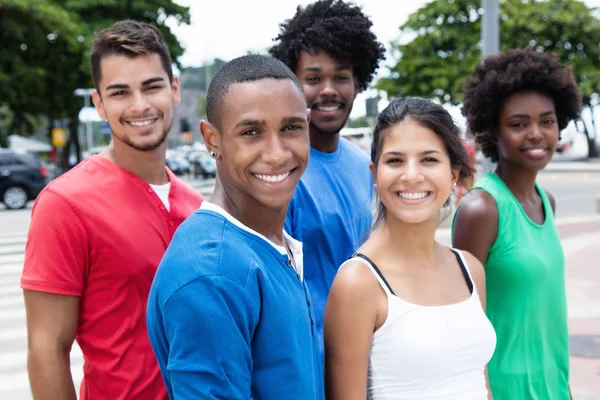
{"x": 516, "y": 103}
{"x": 330, "y": 47}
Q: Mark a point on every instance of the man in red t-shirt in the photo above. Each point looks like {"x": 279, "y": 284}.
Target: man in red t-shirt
{"x": 99, "y": 231}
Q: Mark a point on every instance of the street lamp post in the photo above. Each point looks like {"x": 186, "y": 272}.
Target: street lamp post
{"x": 490, "y": 43}
{"x": 87, "y": 95}
{"x": 490, "y": 31}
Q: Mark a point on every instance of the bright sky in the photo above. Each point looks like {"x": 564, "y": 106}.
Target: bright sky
{"x": 229, "y": 28}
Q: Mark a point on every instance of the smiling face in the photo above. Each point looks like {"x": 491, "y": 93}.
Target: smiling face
{"x": 262, "y": 143}
{"x": 528, "y": 130}
{"x": 330, "y": 89}
{"x": 413, "y": 175}
{"x": 136, "y": 98}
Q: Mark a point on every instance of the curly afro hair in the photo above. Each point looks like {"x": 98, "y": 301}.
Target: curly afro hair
{"x": 340, "y": 29}
{"x": 500, "y": 76}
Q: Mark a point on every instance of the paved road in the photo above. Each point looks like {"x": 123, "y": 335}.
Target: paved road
{"x": 575, "y": 193}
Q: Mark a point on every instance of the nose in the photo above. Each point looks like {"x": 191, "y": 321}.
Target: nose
{"x": 275, "y": 151}
{"x": 412, "y": 171}
{"x": 328, "y": 89}
{"x": 139, "y": 103}
{"x": 535, "y": 133}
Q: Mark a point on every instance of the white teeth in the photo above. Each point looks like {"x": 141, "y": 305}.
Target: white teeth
{"x": 141, "y": 123}
{"x": 536, "y": 151}
{"x": 413, "y": 196}
{"x": 272, "y": 178}
{"x": 328, "y": 108}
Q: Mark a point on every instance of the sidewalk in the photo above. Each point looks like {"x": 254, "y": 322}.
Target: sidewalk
{"x": 580, "y": 238}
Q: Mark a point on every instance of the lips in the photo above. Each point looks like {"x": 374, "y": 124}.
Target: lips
{"x": 412, "y": 195}
{"x": 535, "y": 152}
{"x": 328, "y": 106}
{"x": 143, "y": 123}
{"x": 273, "y": 178}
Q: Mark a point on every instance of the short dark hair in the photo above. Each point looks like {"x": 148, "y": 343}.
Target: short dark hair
{"x": 128, "y": 38}
{"x": 339, "y": 29}
{"x": 502, "y": 75}
{"x": 431, "y": 116}
{"x": 243, "y": 69}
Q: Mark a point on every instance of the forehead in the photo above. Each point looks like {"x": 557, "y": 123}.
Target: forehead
{"x": 267, "y": 100}
{"x": 132, "y": 71}
{"x": 409, "y": 136}
{"x": 320, "y": 60}
{"x": 528, "y": 102}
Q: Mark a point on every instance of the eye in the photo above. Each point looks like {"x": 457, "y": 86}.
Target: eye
{"x": 516, "y": 125}
{"x": 250, "y": 132}
{"x": 154, "y": 88}
{"x": 312, "y": 79}
{"x": 118, "y": 93}
{"x": 393, "y": 160}
{"x": 549, "y": 122}
{"x": 430, "y": 160}
{"x": 342, "y": 78}
{"x": 292, "y": 128}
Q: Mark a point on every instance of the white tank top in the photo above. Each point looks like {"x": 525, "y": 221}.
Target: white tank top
{"x": 430, "y": 352}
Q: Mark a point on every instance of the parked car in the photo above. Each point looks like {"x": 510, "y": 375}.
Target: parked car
{"x": 22, "y": 178}
{"x": 202, "y": 164}
{"x": 177, "y": 163}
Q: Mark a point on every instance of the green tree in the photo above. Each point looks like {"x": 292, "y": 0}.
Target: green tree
{"x": 440, "y": 45}
{"x": 45, "y": 51}
{"x": 40, "y": 41}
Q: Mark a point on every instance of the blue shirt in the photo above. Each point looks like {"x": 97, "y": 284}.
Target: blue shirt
{"x": 331, "y": 214}
{"x": 229, "y": 318}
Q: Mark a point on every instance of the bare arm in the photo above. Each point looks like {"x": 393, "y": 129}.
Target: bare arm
{"x": 350, "y": 319}
{"x": 475, "y": 225}
{"x": 51, "y": 329}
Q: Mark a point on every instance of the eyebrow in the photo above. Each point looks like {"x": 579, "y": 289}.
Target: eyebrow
{"x": 249, "y": 122}
{"x": 318, "y": 69}
{"x": 544, "y": 114}
{"x": 293, "y": 120}
{"x": 125, "y": 86}
{"x": 423, "y": 153}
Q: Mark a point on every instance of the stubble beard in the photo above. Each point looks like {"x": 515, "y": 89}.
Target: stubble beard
{"x": 148, "y": 146}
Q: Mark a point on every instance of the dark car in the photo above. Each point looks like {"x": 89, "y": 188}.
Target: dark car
{"x": 22, "y": 178}
{"x": 203, "y": 165}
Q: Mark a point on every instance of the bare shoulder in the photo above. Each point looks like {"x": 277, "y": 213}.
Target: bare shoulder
{"x": 477, "y": 206}
{"x": 355, "y": 280}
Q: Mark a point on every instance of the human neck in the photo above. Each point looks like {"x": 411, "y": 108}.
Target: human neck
{"x": 323, "y": 142}
{"x": 148, "y": 165}
{"x": 266, "y": 221}
{"x": 411, "y": 243}
{"x": 521, "y": 182}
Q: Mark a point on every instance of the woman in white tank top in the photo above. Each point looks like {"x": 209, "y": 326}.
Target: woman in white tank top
{"x": 405, "y": 315}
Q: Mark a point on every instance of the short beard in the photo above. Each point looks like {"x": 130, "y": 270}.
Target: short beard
{"x": 149, "y": 146}
{"x": 331, "y": 132}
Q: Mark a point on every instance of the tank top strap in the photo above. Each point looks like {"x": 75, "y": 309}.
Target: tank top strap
{"x": 462, "y": 263}
{"x": 378, "y": 275}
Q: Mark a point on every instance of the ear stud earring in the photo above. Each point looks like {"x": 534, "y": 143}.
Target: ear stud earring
{"x": 213, "y": 154}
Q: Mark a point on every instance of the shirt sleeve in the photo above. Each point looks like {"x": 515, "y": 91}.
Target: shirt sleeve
{"x": 57, "y": 249}
{"x": 209, "y": 324}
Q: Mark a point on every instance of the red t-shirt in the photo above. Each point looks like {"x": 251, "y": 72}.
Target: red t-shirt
{"x": 99, "y": 232}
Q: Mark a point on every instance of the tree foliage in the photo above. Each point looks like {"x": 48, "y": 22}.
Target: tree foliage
{"x": 44, "y": 57}
{"x": 440, "y": 44}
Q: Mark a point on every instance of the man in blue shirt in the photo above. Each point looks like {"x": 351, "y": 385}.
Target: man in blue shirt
{"x": 330, "y": 47}
{"x": 229, "y": 313}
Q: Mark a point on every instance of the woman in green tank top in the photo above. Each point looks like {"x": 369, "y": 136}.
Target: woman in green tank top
{"x": 516, "y": 103}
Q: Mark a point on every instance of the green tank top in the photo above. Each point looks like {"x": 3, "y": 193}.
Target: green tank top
{"x": 526, "y": 301}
